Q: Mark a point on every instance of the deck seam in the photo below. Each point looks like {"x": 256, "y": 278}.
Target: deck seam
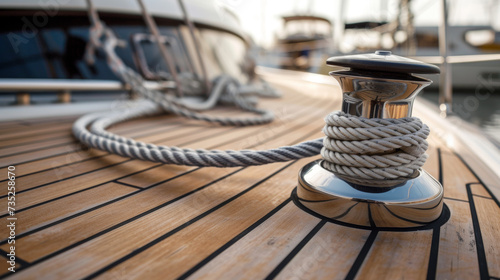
{"x": 233, "y": 240}
{"x": 482, "y": 196}
{"x": 479, "y": 179}
{"x": 86, "y": 159}
{"x": 456, "y": 199}
{"x": 19, "y": 260}
{"x": 436, "y": 232}
{"x": 118, "y": 225}
{"x": 96, "y": 207}
{"x": 128, "y": 195}
{"x": 299, "y": 139}
{"x": 433, "y": 254}
{"x": 360, "y": 259}
{"x": 102, "y": 168}
{"x": 481, "y": 255}
{"x": 295, "y": 250}
{"x": 40, "y": 149}
{"x": 184, "y": 225}
{"x": 128, "y": 185}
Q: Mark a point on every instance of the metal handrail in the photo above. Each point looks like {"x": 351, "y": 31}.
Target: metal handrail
{"x": 34, "y": 85}
{"x": 457, "y": 59}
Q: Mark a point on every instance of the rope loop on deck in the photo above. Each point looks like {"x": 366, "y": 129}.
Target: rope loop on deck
{"x": 363, "y": 151}
{"x": 375, "y": 152}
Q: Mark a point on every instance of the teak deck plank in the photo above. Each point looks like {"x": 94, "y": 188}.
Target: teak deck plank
{"x": 398, "y": 255}
{"x": 62, "y": 208}
{"x": 140, "y": 232}
{"x": 79, "y": 154}
{"x": 432, "y": 163}
{"x": 61, "y": 163}
{"x": 35, "y": 155}
{"x": 488, "y": 213}
{"x": 455, "y": 175}
{"x": 40, "y": 139}
{"x": 330, "y": 254}
{"x": 457, "y": 256}
{"x": 93, "y": 178}
{"x": 61, "y": 149}
{"x": 94, "y": 223}
{"x": 260, "y": 251}
{"x": 35, "y": 131}
{"x": 175, "y": 256}
{"x": 4, "y": 265}
{"x": 480, "y": 190}
{"x": 89, "y": 214}
{"x": 54, "y": 162}
{"x": 58, "y": 174}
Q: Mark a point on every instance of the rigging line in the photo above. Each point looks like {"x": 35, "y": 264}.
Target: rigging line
{"x": 190, "y": 25}
{"x": 360, "y": 150}
{"x": 163, "y": 50}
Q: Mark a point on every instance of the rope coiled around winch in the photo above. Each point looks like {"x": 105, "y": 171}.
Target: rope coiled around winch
{"x": 374, "y": 151}
{"x": 363, "y": 151}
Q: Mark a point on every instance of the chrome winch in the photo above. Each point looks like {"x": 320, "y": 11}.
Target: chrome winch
{"x": 376, "y": 86}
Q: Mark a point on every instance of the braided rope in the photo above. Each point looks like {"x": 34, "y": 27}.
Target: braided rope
{"x": 226, "y": 88}
{"x": 99, "y": 138}
{"x": 374, "y": 151}
{"x": 364, "y": 151}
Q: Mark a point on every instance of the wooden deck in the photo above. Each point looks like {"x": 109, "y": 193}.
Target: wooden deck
{"x": 89, "y": 214}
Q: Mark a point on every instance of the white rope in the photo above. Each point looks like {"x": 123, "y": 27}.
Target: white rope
{"x": 363, "y": 151}
{"x": 392, "y": 153}
{"x": 374, "y": 151}
{"x": 98, "y": 137}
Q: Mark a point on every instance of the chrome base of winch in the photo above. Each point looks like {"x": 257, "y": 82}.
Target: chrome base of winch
{"x": 414, "y": 203}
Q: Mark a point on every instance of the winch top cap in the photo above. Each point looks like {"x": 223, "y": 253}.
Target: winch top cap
{"x": 383, "y": 61}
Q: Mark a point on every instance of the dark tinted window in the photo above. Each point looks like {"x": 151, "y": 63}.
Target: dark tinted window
{"x": 57, "y": 50}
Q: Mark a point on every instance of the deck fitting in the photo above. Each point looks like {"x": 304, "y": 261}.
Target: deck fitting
{"x": 379, "y": 85}
{"x": 416, "y": 202}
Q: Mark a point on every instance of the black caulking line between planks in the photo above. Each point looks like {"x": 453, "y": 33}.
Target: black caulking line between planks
{"x": 123, "y": 223}
{"x": 233, "y": 241}
{"x": 356, "y": 266}
{"x": 85, "y": 173}
{"x": 479, "y": 179}
{"x": 64, "y": 249}
{"x": 481, "y": 255}
{"x": 181, "y": 227}
{"x": 95, "y": 207}
{"x": 436, "y": 232}
{"x": 102, "y": 205}
{"x": 295, "y": 250}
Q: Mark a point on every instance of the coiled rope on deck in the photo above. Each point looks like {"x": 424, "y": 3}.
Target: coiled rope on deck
{"x": 374, "y": 151}
{"x": 98, "y": 137}
{"x": 364, "y": 151}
